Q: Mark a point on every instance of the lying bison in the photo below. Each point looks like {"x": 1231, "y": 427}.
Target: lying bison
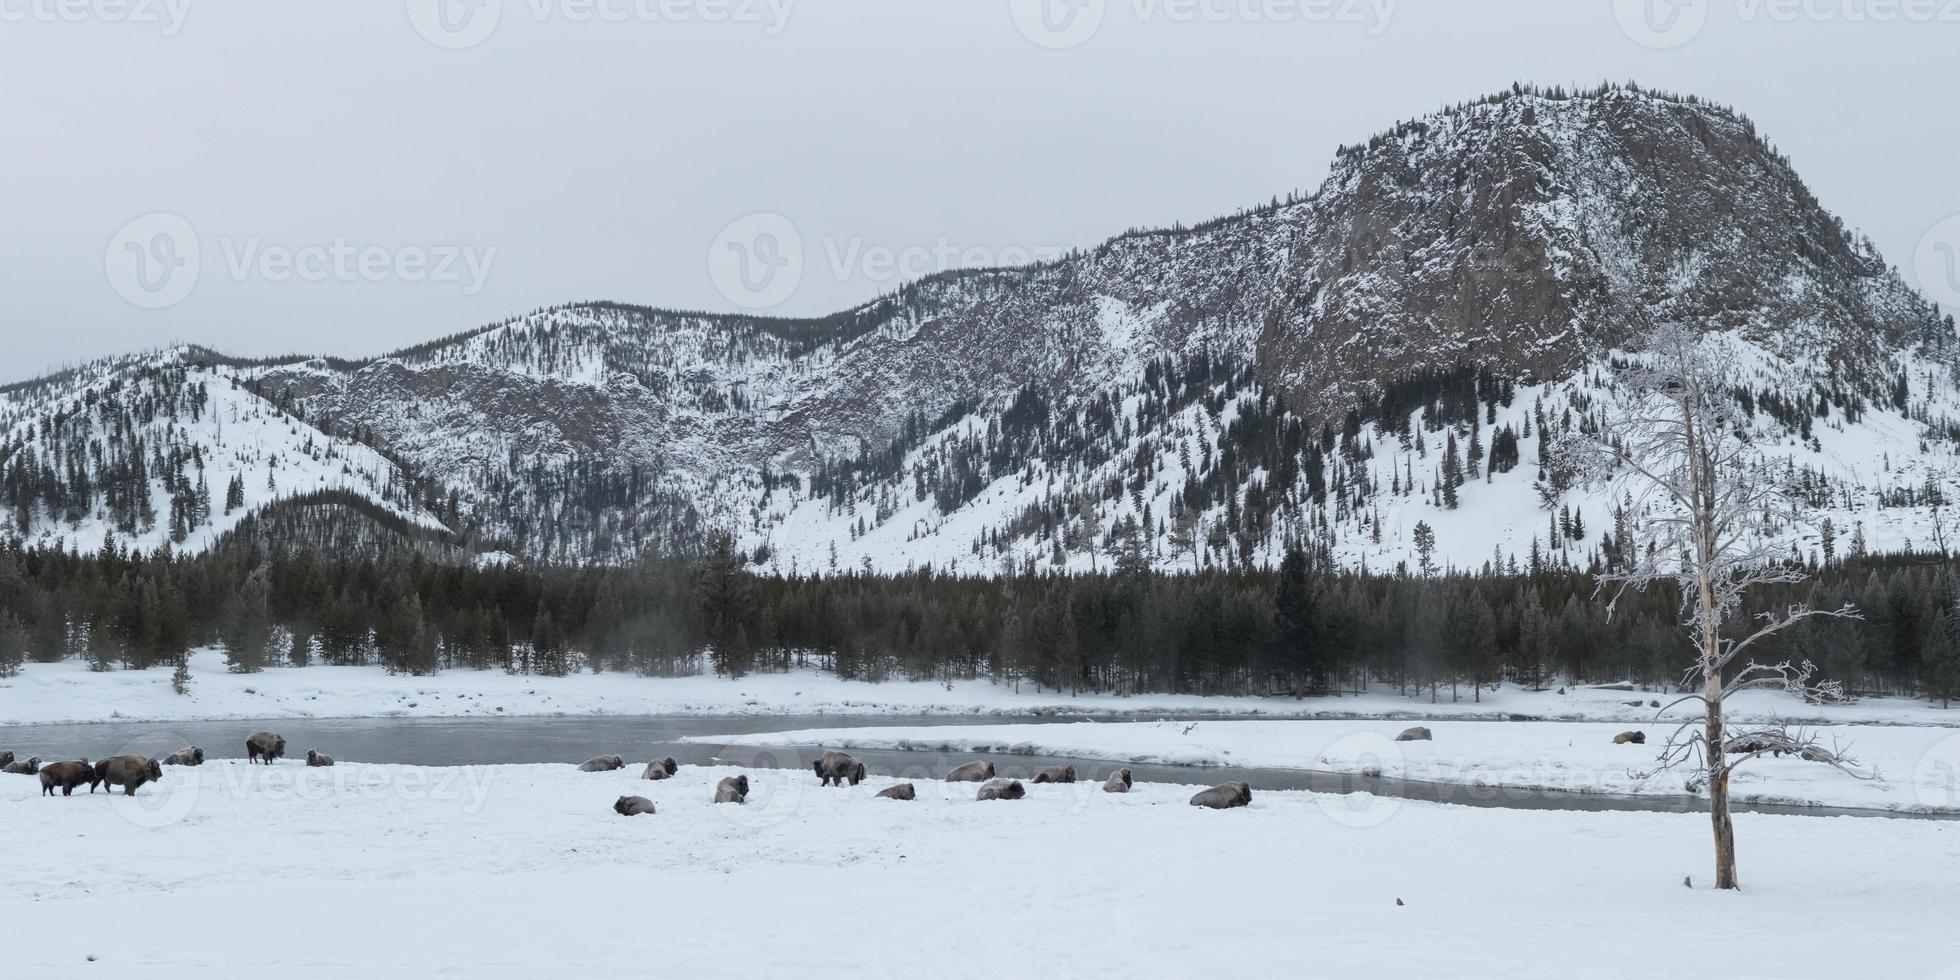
{"x": 65, "y": 776}
{"x": 1119, "y": 782}
{"x": 903, "y": 791}
{"x": 265, "y": 747}
{"x": 318, "y": 760}
{"x": 661, "y": 768}
{"x": 192, "y": 756}
{"x": 972, "y": 772}
{"x": 604, "y": 763}
{"x": 1416, "y": 734}
{"x": 1224, "y": 796}
{"x": 734, "y": 789}
{"x": 836, "y": 767}
{"x": 128, "y": 771}
{"x": 1056, "y": 774}
{"x": 6, "y": 759}
{"x": 28, "y": 768}
{"x": 633, "y": 806}
{"x": 1630, "y": 738}
{"x": 1002, "y": 789}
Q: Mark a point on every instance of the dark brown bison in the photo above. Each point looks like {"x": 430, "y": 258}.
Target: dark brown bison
{"x": 838, "y": 767}
{"x": 1001, "y": 789}
{"x": 972, "y": 772}
{"x": 604, "y": 763}
{"x": 903, "y": 791}
{"x": 192, "y": 756}
{"x": 318, "y": 760}
{"x": 661, "y": 768}
{"x": 265, "y": 747}
{"x": 1056, "y": 774}
{"x": 65, "y": 776}
{"x": 6, "y": 759}
{"x": 1119, "y": 782}
{"x": 734, "y": 789}
{"x": 1416, "y": 734}
{"x": 1224, "y": 796}
{"x": 28, "y": 768}
{"x": 128, "y": 771}
{"x": 633, "y": 806}
{"x": 1630, "y": 738}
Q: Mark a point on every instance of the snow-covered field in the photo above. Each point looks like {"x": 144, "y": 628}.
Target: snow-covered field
{"x": 69, "y": 692}
{"x": 1900, "y": 767}
{"x": 524, "y": 871}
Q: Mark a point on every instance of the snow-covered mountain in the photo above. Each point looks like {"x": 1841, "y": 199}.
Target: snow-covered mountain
{"x": 1194, "y": 395}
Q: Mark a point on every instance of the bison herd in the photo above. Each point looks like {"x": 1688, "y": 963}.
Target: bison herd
{"x": 132, "y": 772}
{"x": 840, "y": 768}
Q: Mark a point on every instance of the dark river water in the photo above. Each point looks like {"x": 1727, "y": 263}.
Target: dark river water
{"x": 493, "y": 741}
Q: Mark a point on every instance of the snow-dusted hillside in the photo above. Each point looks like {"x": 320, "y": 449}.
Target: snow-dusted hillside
{"x": 1188, "y": 396}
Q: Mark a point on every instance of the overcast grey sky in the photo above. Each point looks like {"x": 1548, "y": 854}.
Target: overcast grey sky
{"x": 351, "y": 176}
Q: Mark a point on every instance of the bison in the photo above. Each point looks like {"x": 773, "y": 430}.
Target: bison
{"x": 28, "y": 768}
{"x": 734, "y": 789}
{"x": 903, "y": 791}
{"x": 1001, "y": 789}
{"x": 1119, "y": 782}
{"x": 318, "y": 760}
{"x": 65, "y": 776}
{"x": 1416, "y": 734}
{"x": 265, "y": 747}
{"x": 661, "y": 768}
{"x": 838, "y": 767}
{"x": 191, "y": 756}
{"x": 6, "y": 759}
{"x": 1224, "y": 796}
{"x": 604, "y": 763}
{"x": 128, "y": 771}
{"x": 633, "y": 806}
{"x": 1056, "y": 774}
{"x": 1630, "y": 738}
{"x": 972, "y": 772}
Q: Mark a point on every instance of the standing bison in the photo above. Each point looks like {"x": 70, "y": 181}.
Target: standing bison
{"x": 838, "y": 767}
{"x": 972, "y": 772}
{"x": 65, "y": 776}
{"x": 1224, "y": 796}
{"x": 128, "y": 771}
{"x": 265, "y": 747}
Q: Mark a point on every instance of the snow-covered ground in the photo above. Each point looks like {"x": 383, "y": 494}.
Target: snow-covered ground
{"x": 69, "y": 692}
{"x": 1901, "y": 768}
{"x": 524, "y": 871}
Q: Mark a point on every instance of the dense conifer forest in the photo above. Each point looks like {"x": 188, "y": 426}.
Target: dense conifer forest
{"x": 343, "y": 587}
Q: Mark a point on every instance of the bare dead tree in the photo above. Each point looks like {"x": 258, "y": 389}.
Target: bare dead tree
{"x": 1679, "y": 441}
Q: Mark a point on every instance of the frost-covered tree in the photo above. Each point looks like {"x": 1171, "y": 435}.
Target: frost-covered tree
{"x": 1679, "y": 440}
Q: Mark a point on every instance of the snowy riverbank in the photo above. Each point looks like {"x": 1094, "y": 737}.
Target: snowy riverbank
{"x": 524, "y": 871}
{"x": 69, "y": 692}
{"x": 1913, "y": 769}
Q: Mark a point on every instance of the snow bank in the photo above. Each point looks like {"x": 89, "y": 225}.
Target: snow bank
{"x": 1911, "y": 768}
{"x": 69, "y": 692}
{"x": 524, "y": 871}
